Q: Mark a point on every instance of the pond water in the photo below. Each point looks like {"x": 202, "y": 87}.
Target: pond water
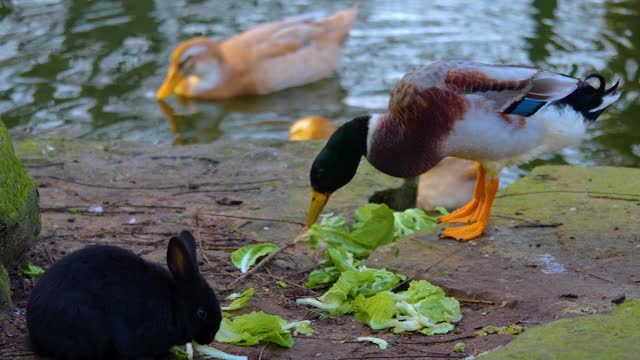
{"x": 89, "y": 69}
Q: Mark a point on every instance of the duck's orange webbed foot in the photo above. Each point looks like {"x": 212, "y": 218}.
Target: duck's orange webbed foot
{"x": 472, "y": 231}
{"x": 464, "y": 233}
{"x": 471, "y": 211}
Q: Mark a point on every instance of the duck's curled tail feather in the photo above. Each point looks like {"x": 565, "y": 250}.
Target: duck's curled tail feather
{"x": 589, "y": 100}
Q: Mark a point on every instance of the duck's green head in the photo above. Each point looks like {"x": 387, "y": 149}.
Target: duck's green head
{"x": 337, "y": 163}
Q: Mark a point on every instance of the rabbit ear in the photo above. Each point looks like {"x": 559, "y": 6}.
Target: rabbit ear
{"x": 181, "y": 256}
{"x": 190, "y": 241}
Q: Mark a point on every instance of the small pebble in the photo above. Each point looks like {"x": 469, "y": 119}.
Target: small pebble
{"x": 96, "y": 209}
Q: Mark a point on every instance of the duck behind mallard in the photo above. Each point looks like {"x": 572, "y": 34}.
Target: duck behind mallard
{"x": 264, "y": 59}
{"x": 497, "y": 115}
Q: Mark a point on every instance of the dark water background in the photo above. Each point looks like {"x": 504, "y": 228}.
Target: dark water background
{"x": 89, "y": 69}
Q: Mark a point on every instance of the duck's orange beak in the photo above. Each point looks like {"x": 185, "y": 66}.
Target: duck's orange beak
{"x": 170, "y": 82}
{"x": 318, "y": 201}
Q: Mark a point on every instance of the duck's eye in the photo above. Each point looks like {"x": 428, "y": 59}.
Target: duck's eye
{"x": 202, "y": 313}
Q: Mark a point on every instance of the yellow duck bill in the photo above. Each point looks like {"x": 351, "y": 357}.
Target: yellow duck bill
{"x": 318, "y": 201}
{"x": 169, "y": 84}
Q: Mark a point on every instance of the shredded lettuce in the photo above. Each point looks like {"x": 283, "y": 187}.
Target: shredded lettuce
{"x": 376, "y": 311}
{"x": 245, "y": 257}
{"x": 373, "y": 227}
{"x": 363, "y": 281}
{"x": 338, "y": 260}
{"x": 31, "y": 271}
{"x": 302, "y": 327}
{"x": 211, "y": 352}
{"x": 383, "y": 344}
{"x": 179, "y": 354}
{"x": 239, "y": 300}
{"x": 321, "y": 277}
{"x": 423, "y": 308}
{"x": 413, "y": 220}
{"x": 256, "y": 327}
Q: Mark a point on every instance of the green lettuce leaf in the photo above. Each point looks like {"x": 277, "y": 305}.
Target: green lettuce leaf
{"x": 31, "y": 271}
{"x": 338, "y": 261}
{"x": 440, "y": 309}
{"x": 341, "y": 259}
{"x": 441, "y": 328}
{"x": 369, "y": 282}
{"x": 335, "y": 301}
{"x": 419, "y": 290}
{"x": 413, "y": 220}
{"x": 321, "y": 277}
{"x": 335, "y": 222}
{"x": 238, "y": 300}
{"x": 253, "y": 328}
{"x": 376, "y": 311}
{"x": 245, "y": 257}
{"x": 373, "y": 227}
{"x": 364, "y": 281}
{"x": 300, "y": 327}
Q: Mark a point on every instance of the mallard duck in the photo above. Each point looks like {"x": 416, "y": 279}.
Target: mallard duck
{"x": 267, "y": 58}
{"x": 311, "y": 128}
{"x": 497, "y": 115}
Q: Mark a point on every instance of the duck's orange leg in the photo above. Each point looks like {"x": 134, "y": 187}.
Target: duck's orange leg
{"x": 472, "y": 231}
{"x": 471, "y": 210}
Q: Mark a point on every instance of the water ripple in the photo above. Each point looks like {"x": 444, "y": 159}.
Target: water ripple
{"x": 89, "y": 69}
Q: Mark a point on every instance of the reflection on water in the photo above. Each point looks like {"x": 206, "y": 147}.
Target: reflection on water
{"x": 89, "y": 69}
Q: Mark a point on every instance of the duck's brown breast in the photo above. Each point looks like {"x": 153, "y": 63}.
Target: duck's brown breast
{"x": 407, "y": 141}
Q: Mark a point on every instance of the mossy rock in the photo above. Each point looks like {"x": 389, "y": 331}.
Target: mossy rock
{"x": 5, "y": 290}
{"x": 19, "y": 212}
{"x": 613, "y": 336}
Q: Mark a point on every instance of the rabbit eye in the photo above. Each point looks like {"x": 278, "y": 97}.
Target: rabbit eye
{"x": 202, "y": 313}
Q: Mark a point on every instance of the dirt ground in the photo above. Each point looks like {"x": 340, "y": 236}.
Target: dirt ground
{"x": 334, "y": 338}
{"x": 230, "y": 195}
{"x": 217, "y": 201}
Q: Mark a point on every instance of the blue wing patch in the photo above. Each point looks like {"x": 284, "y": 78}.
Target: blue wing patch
{"x": 525, "y": 107}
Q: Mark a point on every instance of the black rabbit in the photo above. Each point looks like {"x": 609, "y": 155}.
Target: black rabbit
{"x": 104, "y": 302}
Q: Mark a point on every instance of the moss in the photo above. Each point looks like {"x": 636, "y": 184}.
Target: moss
{"x": 614, "y": 336}
{"x": 500, "y": 330}
{"x": 589, "y": 202}
{"x": 19, "y": 213}
{"x": 14, "y": 182}
{"x": 5, "y": 290}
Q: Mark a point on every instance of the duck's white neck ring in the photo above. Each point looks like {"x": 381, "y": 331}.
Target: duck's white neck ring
{"x": 374, "y": 123}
